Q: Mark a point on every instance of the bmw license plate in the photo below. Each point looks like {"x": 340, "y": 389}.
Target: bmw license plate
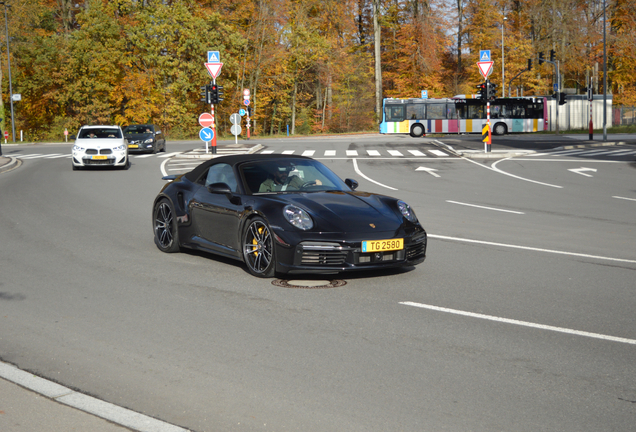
{"x": 382, "y": 245}
{"x": 99, "y": 157}
{"x": 133, "y": 146}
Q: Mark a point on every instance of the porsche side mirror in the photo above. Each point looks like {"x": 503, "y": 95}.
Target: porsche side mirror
{"x": 352, "y": 183}
{"x": 220, "y": 188}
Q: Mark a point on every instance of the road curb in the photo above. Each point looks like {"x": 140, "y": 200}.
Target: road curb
{"x": 11, "y": 164}
{"x": 105, "y": 410}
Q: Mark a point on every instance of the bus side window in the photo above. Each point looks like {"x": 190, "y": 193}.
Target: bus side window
{"x": 451, "y": 112}
{"x": 395, "y": 113}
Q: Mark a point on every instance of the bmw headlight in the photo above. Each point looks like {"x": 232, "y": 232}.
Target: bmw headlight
{"x": 298, "y": 217}
{"x": 407, "y": 211}
{"x": 121, "y": 147}
{"x": 77, "y": 148}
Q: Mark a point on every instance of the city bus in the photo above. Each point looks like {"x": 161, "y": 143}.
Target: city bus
{"x": 418, "y": 117}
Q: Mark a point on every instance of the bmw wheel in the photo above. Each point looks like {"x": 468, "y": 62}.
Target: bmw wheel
{"x": 165, "y": 226}
{"x": 258, "y": 249}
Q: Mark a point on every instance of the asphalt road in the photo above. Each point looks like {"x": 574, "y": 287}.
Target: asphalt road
{"x": 521, "y": 318}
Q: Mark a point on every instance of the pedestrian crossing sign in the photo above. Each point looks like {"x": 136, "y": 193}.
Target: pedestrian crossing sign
{"x": 484, "y": 55}
{"x": 214, "y": 57}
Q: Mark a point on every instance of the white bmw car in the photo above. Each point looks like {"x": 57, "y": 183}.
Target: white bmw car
{"x": 103, "y": 146}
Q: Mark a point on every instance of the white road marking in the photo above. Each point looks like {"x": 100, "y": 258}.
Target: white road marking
{"x": 330, "y": 152}
{"x": 355, "y": 167}
{"x": 373, "y": 153}
{"x": 56, "y": 156}
{"x": 438, "y": 153}
{"x": 431, "y": 171}
{"x": 623, "y": 198}
{"x": 522, "y": 323}
{"x": 143, "y": 156}
{"x": 416, "y": 153}
{"x": 29, "y": 156}
{"x": 352, "y": 152}
{"x": 494, "y": 168}
{"x": 395, "y": 153}
{"x": 598, "y": 257}
{"x": 267, "y": 152}
{"x": 289, "y": 152}
{"x": 583, "y": 171}
{"x": 565, "y": 152}
{"x": 483, "y": 207}
{"x": 309, "y": 153}
{"x": 167, "y": 155}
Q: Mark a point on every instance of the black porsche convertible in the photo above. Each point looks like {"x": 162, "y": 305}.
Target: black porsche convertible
{"x": 285, "y": 214}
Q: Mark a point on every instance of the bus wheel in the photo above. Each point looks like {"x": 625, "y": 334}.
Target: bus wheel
{"x": 500, "y": 129}
{"x": 417, "y": 130}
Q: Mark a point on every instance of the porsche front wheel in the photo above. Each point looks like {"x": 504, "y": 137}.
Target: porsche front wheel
{"x": 165, "y": 227}
{"x": 258, "y": 249}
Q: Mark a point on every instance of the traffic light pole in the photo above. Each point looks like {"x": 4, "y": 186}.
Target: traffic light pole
{"x": 213, "y": 143}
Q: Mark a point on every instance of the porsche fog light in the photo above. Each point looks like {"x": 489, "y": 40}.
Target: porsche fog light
{"x": 407, "y": 211}
{"x": 298, "y": 217}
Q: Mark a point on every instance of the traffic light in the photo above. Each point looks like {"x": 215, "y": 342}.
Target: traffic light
{"x": 529, "y": 64}
{"x": 541, "y": 58}
{"x": 219, "y": 93}
{"x": 552, "y": 55}
{"x": 491, "y": 91}
{"x": 214, "y": 94}
{"x": 481, "y": 88}
{"x": 562, "y": 99}
{"x": 205, "y": 92}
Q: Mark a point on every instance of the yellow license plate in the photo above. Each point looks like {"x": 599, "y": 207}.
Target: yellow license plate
{"x": 99, "y": 157}
{"x": 133, "y": 146}
{"x": 382, "y": 245}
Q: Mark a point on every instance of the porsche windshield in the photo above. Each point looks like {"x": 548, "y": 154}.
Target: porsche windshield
{"x": 290, "y": 175}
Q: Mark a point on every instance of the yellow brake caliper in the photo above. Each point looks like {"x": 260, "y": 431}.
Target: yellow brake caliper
{"x": 260, "y": 231}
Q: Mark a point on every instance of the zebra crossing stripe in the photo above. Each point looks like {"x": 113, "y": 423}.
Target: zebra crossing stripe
{"x": 309, "y": 153}
{"x": 395, "y": 153}
{"x": 416, "y": 153}
{"x": 438, "y": 153}
{"x": 352, "y": 152}
{"x": 167, "y": 155}
{"x": 373, "y": 153}
{"x": 289, "y": 152}
{"x": 330, "y": 152}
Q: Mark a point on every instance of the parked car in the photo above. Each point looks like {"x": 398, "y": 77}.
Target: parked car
{"x": 100, "y": 146}
{"x": 285, "y": 214}
{"x": 145, "y": 138}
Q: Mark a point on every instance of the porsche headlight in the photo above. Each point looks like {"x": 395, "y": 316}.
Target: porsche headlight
{"x": 407, "y": 211}
{"x": 298, "y": 217}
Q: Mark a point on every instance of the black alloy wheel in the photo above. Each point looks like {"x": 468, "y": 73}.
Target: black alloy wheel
{"x": 165, "y": 227}
{"x": 258, "y": 249}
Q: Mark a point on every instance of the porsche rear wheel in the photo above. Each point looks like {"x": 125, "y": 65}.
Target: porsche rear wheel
{"x": 165, "y": 227}
{"x": 258, "y": 249}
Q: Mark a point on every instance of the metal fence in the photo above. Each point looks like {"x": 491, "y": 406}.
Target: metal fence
{"x": 623, "y": 115}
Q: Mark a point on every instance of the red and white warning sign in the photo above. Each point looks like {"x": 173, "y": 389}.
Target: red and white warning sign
{"x": 485, "y": 68}
{"x": 214, "y": 69}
